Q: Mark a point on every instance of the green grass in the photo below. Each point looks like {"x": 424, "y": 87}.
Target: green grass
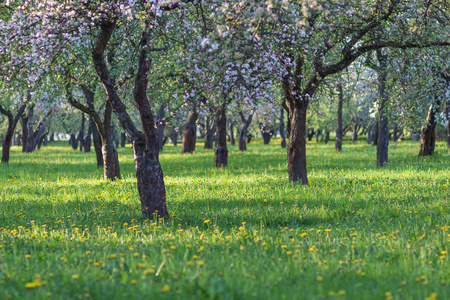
{"x": 242, "y": 232}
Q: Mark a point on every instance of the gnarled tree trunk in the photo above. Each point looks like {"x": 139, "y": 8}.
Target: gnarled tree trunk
{"x": 221, "y": 151}
{"x": 427, "y": 132}
{"x": 149, "y": 175}
{"x": 190, "y": 133}
{"x": 33, "y": 135}
{"x": 244, "y": 131}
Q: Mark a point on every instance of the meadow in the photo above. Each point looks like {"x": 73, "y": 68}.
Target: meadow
{"x": 241, "y": 232}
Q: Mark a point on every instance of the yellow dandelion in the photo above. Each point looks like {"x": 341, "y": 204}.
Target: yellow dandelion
{"x": 165, "y": 288}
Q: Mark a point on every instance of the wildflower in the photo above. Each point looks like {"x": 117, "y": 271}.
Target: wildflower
{"x": 319, "y": 278}
{"x": 206, "y": 221}
{"x": 75, "y": 276}
{"x": 165, "y": 288}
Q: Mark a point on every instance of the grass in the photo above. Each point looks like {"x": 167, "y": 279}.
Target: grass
{"x": 242, "y": 232}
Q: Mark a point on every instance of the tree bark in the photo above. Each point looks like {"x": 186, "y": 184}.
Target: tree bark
{"x": 81, "y": 133}
{"x": 398, "y": 131}
{"x": 73, "y": 141}
{"x": 282, "y": 129}
{"x": 87, "y": 138}
{"x": 176, "y": 130}
{"x": 221, "y": 151}
{"x": 327, "y": 136}
{"x": 447, "y": 117}
{"x": 375, "y": 134}
{"x": 383, "y": 121}
{"x": 111, "y": 167}
{"x": 106, "y": 152}
{"x": 149, "y": 175}
{"x": 12, "y": 123}
{"x": 355, "y": 131}
{"x": 123, "y": 139}
{"x": 296, "y": 149}
{"x": 160, "y": 127}
{"x": 244, "y": 131}
{"x": 369, "y": 134}
{"x": 97, "y": 146}
{"x": 25, "y": 120}
{"x": 209, "y": 132}
{"x": 339, "y": 129}
{"x": 232, "y": 142}
{"x": 33, "y": 135}
{"x": 190, "y": 133}
{"x": 427, "y": 132}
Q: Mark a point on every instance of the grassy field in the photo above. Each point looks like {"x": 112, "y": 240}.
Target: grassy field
{"x": 243, "y": 232}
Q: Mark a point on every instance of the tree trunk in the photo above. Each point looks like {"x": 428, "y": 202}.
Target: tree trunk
{"x": 398, "y": 131}
{"x": 97, "y": 146}
{"x": 369, "y": 134}
{"x": 12, "y": 123}
{"x": 115, "y": 140}
{"x": 111, "y": 166}
{"x": 123, "y": 139}
{"x": 25, "y": 120}
{"x": 232, "y": 142}
{"x": 355, "y": 132}
{"x": 81, "y": 133}
{"x": 87, "y": 138}
{"x": 209, "y": 132}
{"x": 74, "y": 141}
{"x": 310, "y": 134}
{"x": 318, "y": 135}
{"x": 33, "y": 135}
{"x": 190, "y": 133}
{"x": 221, "y": 151}
{"x": 244, "y": 131}
{"x": 266, "y": 134}
{"x": 428, "y": 133}
{"x": 296, "y": 149}
{"x": 106, "y": 152}
{"x": 447, "y": 117}
{"x": 149, "y": 175}
{"x": 41, "y": 140}
{"x": 383, "y": 121}
{"x": 282, "y": 130}
{"x": 327, "y": 136}
{"x": 375, "y": 134}
{"x": 176, "y": 130}
{"x": 160, "y": 127}
{"x": 339, "y": 129}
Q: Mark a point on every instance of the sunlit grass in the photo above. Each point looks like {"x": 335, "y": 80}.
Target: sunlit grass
{"x": 235, "y": 233}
